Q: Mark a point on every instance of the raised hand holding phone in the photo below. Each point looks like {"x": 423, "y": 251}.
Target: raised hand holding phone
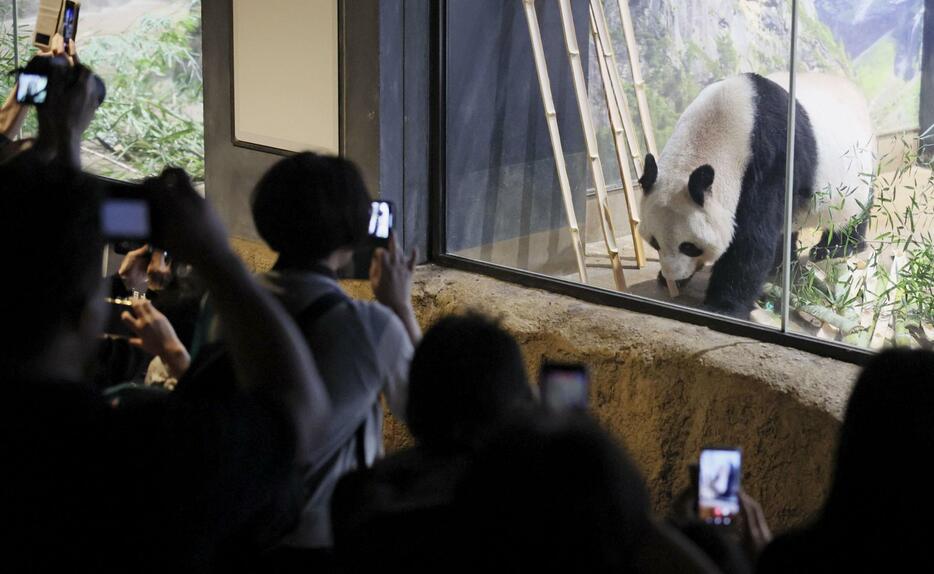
{"x": 56, "y": 17}
{"x": 155, "y": 335}
{"x": 391, "y": 279}
{"x": 718, "y": 494}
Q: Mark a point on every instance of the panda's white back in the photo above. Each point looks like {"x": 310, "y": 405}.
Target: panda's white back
{"x": 846, "y": 147}
{"x": 715, "y": 129}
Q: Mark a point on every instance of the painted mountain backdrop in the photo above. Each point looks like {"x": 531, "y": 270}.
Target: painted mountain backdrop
{"x": 686, "y": 44}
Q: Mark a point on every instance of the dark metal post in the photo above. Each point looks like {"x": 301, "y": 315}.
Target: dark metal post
{"x": 927, "y": 83}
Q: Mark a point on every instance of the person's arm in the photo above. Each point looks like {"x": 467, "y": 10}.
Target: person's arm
{"x": 68, "y": 110}
{"x": 756, "y": 532}
{"x": 391, "y": 279}
{"x": 395, "y": 352}
{"x": 270, "y": 357}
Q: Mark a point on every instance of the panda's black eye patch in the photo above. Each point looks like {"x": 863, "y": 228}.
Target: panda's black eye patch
{"x": 690, "y": 250}
{"x": 654, "y": 244}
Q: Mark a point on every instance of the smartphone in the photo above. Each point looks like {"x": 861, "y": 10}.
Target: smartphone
{"x": 564, "y": 386}
{"x": 124, "y": 212}
{"x": 718, "y": 485}
{"x": 379, "y": 231}
{"x": 381, "y": 223}
{"x": 70, "y": 21}
{"x": 32, "y": 89}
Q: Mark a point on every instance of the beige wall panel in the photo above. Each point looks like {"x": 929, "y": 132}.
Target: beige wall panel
{"x": 286, "y": 74}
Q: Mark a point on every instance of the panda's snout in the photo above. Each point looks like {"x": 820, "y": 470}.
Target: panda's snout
{"x": 680, "y": 282}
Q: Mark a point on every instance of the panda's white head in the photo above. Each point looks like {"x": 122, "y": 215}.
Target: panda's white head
{"x": 681, "y": 221}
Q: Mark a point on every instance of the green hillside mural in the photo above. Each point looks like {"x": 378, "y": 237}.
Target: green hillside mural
{"x": 687, "y": 44}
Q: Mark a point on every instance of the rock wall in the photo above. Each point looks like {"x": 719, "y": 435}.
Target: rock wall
{"x": 665, "y": 388}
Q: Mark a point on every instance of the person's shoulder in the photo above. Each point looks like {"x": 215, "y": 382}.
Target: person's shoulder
{"x": 379, "y": 318}
{"x": 410, "y": 478}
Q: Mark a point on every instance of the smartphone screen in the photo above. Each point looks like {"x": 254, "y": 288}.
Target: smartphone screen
{"x": 32, "y": 88}
{"x": 380, "y": 228}
{"x": 70, "y": 22}
{"x": 718, "y": 485}
{"x": 379, "y": 231}
{"x": 125, "y": 218}
{"x": 564, "y": 386}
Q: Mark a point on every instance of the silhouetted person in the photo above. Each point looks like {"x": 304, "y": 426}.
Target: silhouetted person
{"x": 556, "y": 493}
{"x": 467, "y": 375}
{"x": 88, "y": 485}
{"x": 314, "y": 211}
{"x": 467, "y": 378}
{"x": 877, "y": 517}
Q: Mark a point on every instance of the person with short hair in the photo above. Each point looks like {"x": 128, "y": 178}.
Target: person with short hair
{"x": 467, "y": 379}
{"x": 468, "y": 375}
{"x": 314, "y": 211}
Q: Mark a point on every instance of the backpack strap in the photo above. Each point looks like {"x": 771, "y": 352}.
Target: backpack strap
{"x": 313, "y": 481}
{"x": 307, "y": 319}
{"x": 319, "y": 308}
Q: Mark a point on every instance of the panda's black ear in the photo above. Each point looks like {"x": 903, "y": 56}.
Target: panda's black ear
{"x": 649, "y": 174}
{"x": 700, "y": 183}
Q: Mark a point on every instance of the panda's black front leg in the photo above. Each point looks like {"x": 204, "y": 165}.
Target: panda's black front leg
{"x": 737, "y": 277}
{"x": 736, "y": 282}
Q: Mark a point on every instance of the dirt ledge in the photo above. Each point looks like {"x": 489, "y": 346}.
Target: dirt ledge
{"x": 666, "y": 388}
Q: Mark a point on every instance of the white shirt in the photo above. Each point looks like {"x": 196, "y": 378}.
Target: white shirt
{"x": 358, "y": 347}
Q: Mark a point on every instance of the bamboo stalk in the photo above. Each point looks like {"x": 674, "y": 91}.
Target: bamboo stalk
{"x": 590, "y": 137}
{"x": 823, "y": 314}
{"x": 673, "y": 288}
{"x": 900, "y": 336}
{"x": 622, "y": 102}
{"x": 105, "y": 157}
{"x": 607, "y": 62}
{"x": 637, "y": 80}
{"x": 551, "y": 117}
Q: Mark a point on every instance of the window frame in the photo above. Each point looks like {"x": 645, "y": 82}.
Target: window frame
{"x": 600, "y": 296}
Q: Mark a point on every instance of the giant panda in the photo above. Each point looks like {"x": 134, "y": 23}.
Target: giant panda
{"x": 716, "y": 194}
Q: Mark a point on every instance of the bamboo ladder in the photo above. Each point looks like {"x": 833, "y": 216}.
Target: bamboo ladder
{"x": 638, "y": 82}
{"x": 551, "y": 116}
{"x": 624, "y": 134}
{"x": 620, "y": 121}
{"x": 590, "y": 138}
{"x": 586, "y": 118}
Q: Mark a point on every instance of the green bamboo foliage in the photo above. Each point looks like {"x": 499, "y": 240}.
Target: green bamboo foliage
{"x": 153, "y": 115}
{"x": 888, "y": 289}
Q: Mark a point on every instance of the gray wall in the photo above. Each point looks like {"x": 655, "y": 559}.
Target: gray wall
{"x": 404, "y": 103}
{"x": 500, "y": 180}
{"x": 384, "y": 101}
